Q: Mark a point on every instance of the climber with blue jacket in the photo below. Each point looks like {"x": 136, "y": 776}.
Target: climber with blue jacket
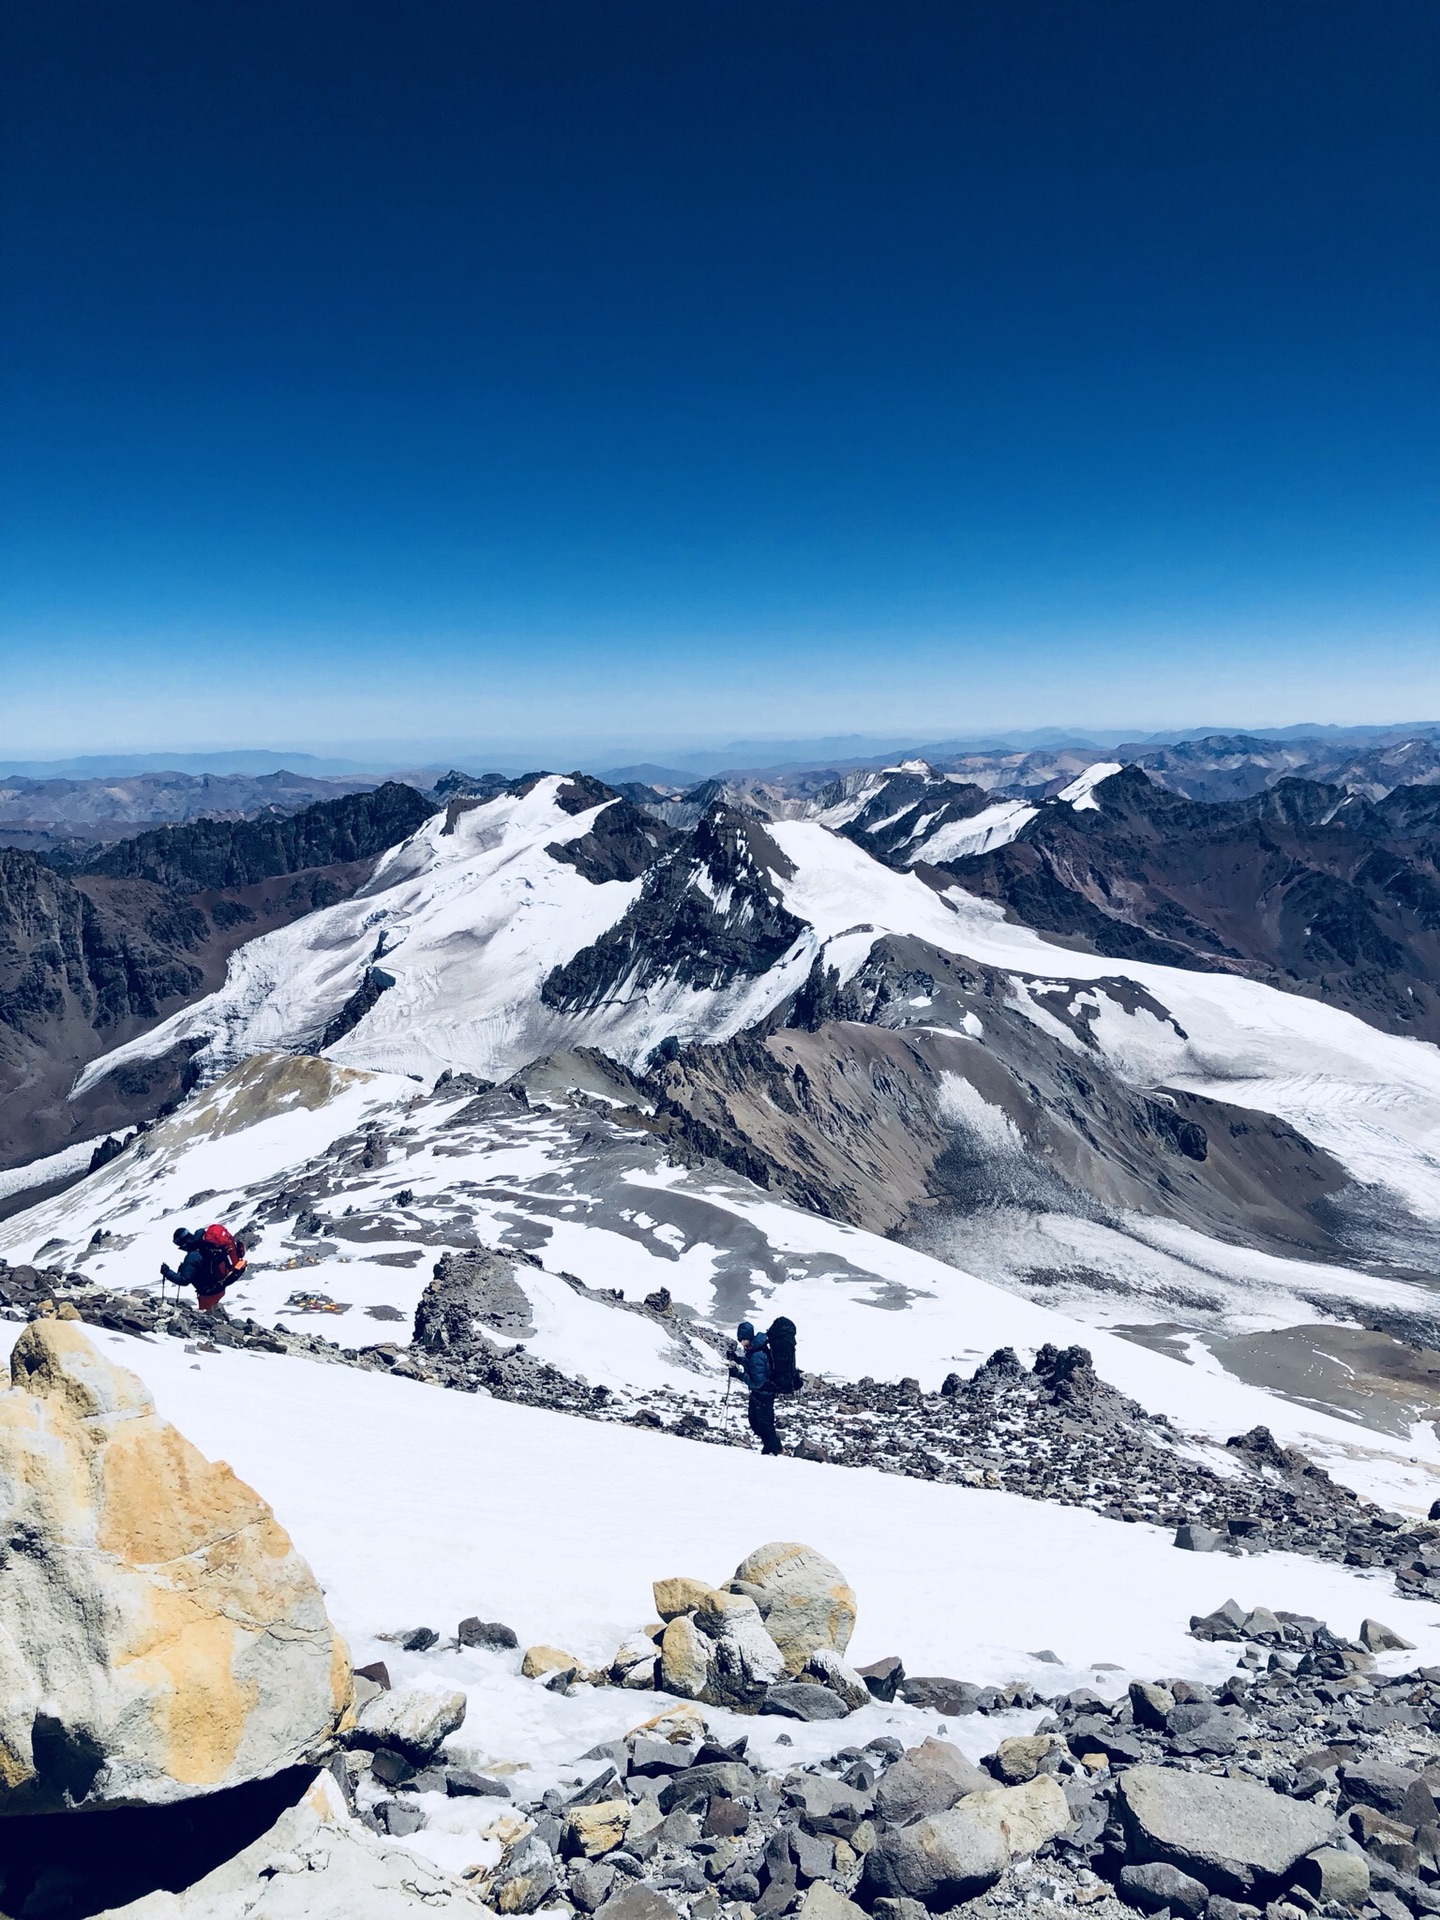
{"x": 756, "y": 1369}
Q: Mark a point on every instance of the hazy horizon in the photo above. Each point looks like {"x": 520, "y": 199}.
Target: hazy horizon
{"x": 697, "y": 758}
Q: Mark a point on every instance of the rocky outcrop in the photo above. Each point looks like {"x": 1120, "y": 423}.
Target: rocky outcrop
{"x": 159, "y": 1635}
{"x": 1304, "y": 886}
{"x": 472, "y": 1294}
{"x": 787, "y": 1612}
{"x": 709, "y": 914}
{"x": 206, "y": 854}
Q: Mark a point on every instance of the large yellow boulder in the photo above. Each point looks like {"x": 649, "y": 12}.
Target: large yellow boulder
{"x": 160, "y": 1637}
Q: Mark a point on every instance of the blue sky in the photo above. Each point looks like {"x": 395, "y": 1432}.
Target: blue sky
{"x": 663, "y": 373}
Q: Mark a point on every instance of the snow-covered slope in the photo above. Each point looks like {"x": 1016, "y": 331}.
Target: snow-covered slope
{"x": 352, "y": 1185}
{"x": 474, "y": 915}
{"x": 467, "y": 917}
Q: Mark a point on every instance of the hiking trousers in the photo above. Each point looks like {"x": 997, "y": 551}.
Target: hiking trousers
{"x": 762, "y": 1421}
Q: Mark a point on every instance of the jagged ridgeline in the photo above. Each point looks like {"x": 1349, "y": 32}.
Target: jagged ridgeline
{"x": 92, "y": 954}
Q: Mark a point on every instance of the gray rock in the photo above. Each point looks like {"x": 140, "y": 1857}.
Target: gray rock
{"x": 740, "y": 1883}
{"x": 813, "y": 1854}
{"x": 803, "y": 1700}
{"x": 1333, "y": 1874}
{"x": 1202, "y": 1727}
{"x": 899, "y": 1909}
{"x": 1225, "y": 1623}
{"x": 475, "y": 1632}
{"x": 1196, "y": 1539}
{"x": 413, "y": 1722}
{"x": 1376, "y": 1637}
{"x": 826, "y": 1805}
{"x": 686, "y": 1876}
{"x": 680, "y": 1830}
{"x": 946, "y": 1696}
{"x": 827, "y": 1669}
{"x": 636, "y": 1902}
{"x": 928, "y": 1779}
{"x": 590, "y": 1885}
{"x": 1220, "y": 1908}
{"x": 729, "y": 1778}
{"x": 461, "y": 1782}
{"x": 602, "y": 1786}
{"x": 466, "y": 1288}
{"x": 643, "y": 1834}
{"x": 883, "y": 1677}
{"x": 1376, "y": 1783}
{"x": 1233, "y": 1835}
{"x": 659, "y": 1756}
{"x": 940, "y": 1861}
{"x": 391, "y": 1769}
{"x": 1151, "y": 1705}
{"x": 396, "y": 1818}
{"x": 526, "y": 1878}
{"x": 1155, "y": 1884}
{"x": 826, "y": 1902}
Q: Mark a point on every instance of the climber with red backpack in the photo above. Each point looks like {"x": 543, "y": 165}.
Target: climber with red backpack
{"x": 213, "y": 1258}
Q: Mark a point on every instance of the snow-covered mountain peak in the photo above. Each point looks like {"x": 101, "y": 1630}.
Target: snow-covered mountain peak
{"x": 440, "y": 958}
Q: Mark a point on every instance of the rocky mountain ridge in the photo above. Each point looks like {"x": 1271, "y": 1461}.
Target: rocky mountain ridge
{"x": 73, "y": 820}
{"x": 96, "y": 954}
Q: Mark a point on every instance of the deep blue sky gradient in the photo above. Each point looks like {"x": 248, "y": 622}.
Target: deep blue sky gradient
{"x": 661, "y": 372}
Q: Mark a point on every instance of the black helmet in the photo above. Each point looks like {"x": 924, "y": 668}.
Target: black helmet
{"x": 181, "y": 1236}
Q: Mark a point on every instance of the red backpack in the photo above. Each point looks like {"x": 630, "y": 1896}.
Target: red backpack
{"x": 224, "y": 1255}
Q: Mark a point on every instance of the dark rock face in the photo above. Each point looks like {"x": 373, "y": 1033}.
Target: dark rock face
{"x": 849, "y": 1108}
{"x": 236, "y": 853}
{"x": 709, "y": 914}
{"x": 375, "y": 982}
{"x": 623, "y": 844}
{"x": 910, "y": 803}
{"x": 1305, "y": 886}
